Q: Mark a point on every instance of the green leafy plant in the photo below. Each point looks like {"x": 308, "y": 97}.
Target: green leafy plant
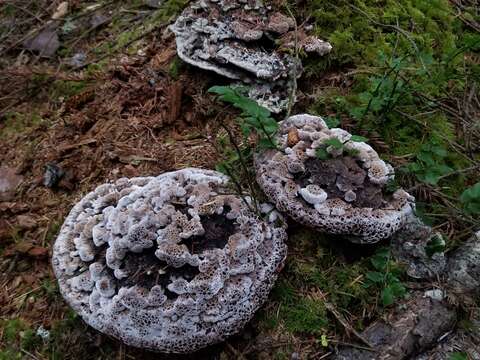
{"x": 254, "y": 117}
{"x": 332, "y": 121}
{"x": 323, "y": 154}
{"x": 458, "y": 356}
{"x": 470, "y": 199}
{"x": 237, "y": 154}
{"x": 386, "y": 277}
{"x": 430, "y": 163}
{"x": 383, "y": 94}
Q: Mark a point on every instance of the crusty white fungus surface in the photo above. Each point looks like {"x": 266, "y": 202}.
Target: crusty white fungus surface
{"x": 239, "y": 39}
{"x": 169, "y": 263}
{"x": 341, "y": 192}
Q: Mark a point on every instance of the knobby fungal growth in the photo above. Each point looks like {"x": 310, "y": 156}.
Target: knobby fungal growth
{"x": 242, "y": 40}
{"x": 325, "y": 179}
{"x": 170, "y": 263}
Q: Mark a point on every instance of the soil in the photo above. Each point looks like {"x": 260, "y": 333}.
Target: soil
{"x": 347, "y": 172}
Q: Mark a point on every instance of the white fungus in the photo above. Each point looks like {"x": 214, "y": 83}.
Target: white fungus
{"x": 324, "y": 179}
{"x": 232, "y": 38}
{"x": 179, "y": 261}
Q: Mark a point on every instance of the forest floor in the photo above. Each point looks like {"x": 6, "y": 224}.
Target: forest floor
{"x": 112, "y": 99}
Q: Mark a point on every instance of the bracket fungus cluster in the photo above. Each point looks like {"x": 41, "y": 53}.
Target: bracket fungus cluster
{"x": 324, "y": 179}
{"x": 170, "y": 263}
{"x": 239, "y": 39}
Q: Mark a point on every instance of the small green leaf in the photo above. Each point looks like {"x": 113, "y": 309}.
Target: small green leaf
{"x": 324, "y": 341}
{"x": 380, "y": 259}
{"x": 246, "y": 130}
{"x": 332, "y": 122}
{"x": 435, "y": 245}
{"x": 221, "y": 167}
{"x": 458, "y": 356}
{"x": 358, "y": 138}
{"x": 375, "y": 276}
{"x": 265, "y": 143}
{"x": 397, "y": 288}
{"x": 387, "y": 296}
{"x": 334, "y": 142}
{"x": 470, "y": 199}
{"x": 357, "y": 112}
{"x": 322, "y": 154}
{"x": 270, "y": 125}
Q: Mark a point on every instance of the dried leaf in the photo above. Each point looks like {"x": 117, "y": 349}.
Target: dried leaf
{"x": 61, "y": 11}
{"x": 8, "y": 183}
{"x": 26, "y": 222}
{"x": 38, "y": 252}
{"x": 292, "y": 137}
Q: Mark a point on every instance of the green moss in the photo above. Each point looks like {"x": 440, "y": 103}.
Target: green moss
{"x": 316, "y": 270}
{"x": 304, "y": 315}
{"x": 175, "y": 67}
{"x": 19, "y": 123}
{"x": 53, "y": 230}
{"x": 66, "y": 88}
{"x": 12, "y": 329}
{"x": 10, "y": 354}
{"x": 402, "y": 56}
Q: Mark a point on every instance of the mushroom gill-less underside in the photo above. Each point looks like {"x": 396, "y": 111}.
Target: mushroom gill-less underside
{"x": 170, "y": 263}
{"x": 325, "y": 179}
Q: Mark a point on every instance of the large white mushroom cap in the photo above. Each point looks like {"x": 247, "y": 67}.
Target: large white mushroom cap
{"x": 171, "y": 263}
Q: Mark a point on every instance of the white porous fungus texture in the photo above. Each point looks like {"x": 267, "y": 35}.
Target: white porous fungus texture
{"x": 340, "y": 191}
{"x": 236, "y": 39}
{"x": 170, "y": 263}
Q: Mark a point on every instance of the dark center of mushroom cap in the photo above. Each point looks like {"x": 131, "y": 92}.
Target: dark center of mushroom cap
{"x": 338, "y": 175}
{"x": 146, "y": 270}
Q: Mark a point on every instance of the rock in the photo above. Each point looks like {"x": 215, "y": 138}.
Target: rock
{"x": 77, "y": 60}
{"x": 46, "y": 42}
{"x": 466, "y": 341}
{"x": 353, "y": 200}
{"x": 156, "y": 4}
{"x": 409, "y": 247}
{"x": 171, "y": 263}
{"x": 53, "y": 174}
{"x": 98, "y": 20}
{"x": 9, "y": 181}
{"x": 236, "y": 39}
{"x": 413, "y": 327}
{"x": 311, "y": 44}
{"x": 464, "y": 268}
{"x": 279, "y": 23}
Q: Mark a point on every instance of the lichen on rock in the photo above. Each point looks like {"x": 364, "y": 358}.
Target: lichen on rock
{"x": 415, "y": 324}
{"x": 343, "y": 191}
{"x": 409, "y": 246}
{"x": 170, "y": 263}
{"x": 241, "y": 40}
{"x": 464, "y": 268}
